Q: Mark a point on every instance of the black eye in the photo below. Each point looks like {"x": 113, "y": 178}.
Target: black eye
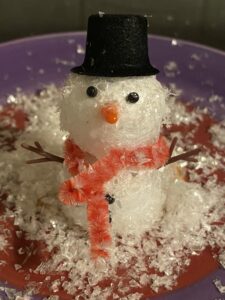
{"x": 132, "y": 97}
{"x": 92, "y": 91}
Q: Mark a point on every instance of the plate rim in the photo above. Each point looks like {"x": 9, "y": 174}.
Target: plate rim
{"x": 83, "y": 32}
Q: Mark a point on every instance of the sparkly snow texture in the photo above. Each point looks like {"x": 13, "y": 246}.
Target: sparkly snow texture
{"x": 139, "y": 123}
{"x": 184, "y": 229}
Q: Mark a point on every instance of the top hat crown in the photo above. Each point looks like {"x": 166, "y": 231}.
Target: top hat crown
{"x": 116, "y": 46}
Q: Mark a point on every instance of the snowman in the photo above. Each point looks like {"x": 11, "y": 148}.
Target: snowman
{"x": 113, "y": 109}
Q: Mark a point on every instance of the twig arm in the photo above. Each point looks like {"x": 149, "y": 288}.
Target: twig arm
{"x": 187, "y": 156}
{"x": 38, "y": 149}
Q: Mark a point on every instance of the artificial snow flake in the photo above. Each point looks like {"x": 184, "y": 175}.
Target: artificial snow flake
{"x": 219, "y": 286}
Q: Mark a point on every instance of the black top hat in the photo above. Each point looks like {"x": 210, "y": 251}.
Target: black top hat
{"x": 116, "y": 47}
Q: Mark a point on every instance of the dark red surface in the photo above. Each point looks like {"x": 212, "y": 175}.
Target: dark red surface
{"x": 200, "y": 266}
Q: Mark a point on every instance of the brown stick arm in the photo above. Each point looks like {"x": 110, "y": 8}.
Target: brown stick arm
{"x": 46, "y": 156}
{"x": 187, "y": 156}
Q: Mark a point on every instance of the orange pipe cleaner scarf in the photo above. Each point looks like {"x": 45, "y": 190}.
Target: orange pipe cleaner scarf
{"x": 88, "y": 186}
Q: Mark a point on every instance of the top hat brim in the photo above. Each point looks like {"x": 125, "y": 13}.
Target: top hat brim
{"x": 124, "y": 71}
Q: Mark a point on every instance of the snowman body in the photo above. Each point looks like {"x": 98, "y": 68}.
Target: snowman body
{"x": 140, "y": 199}
{"x": 110, "y": 118}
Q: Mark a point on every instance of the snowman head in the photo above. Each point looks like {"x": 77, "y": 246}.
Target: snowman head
{"x": 101, "y": 113}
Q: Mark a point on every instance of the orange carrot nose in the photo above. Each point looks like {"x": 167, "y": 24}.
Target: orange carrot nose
{"x": 110, "y": 113}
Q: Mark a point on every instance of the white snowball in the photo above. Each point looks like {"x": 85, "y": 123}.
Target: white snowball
{"x": 138, "y": 123}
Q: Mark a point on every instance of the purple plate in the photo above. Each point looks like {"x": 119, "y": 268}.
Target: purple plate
{"x": 197, "y": 71}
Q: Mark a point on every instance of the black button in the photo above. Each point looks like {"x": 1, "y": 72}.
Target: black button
{"x": 110, "y": 199}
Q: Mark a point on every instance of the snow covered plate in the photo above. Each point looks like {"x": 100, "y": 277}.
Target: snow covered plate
{"x": 196, "y": 71}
